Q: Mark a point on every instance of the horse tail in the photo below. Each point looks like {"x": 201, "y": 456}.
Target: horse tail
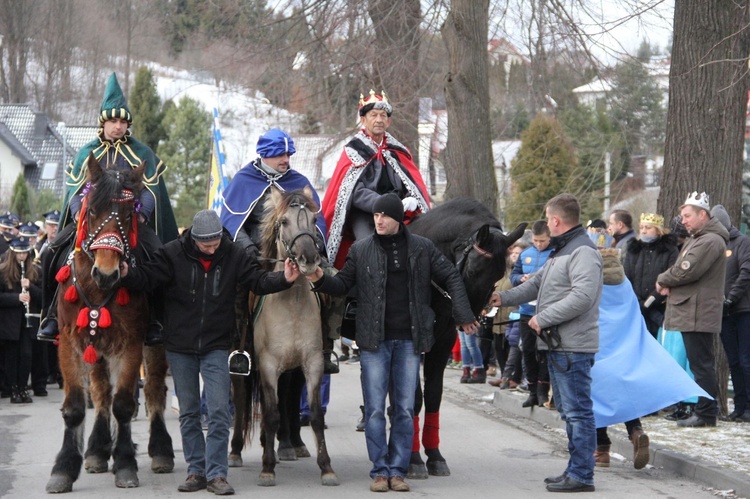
{"x": 253, "y": 402}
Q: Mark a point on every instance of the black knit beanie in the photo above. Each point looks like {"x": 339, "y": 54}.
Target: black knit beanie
{"x": 391, "y": 205}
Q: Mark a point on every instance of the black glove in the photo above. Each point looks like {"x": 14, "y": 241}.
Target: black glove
{"x": 728, "y": 305}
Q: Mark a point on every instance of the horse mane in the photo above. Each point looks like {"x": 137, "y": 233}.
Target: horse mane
{"x": 272, "y": 213}
{"x": 108, "y": 187}
{"x": 453, "y": 221}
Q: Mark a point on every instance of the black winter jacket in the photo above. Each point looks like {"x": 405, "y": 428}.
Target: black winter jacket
{"x": 366, "y": 267}
{"x": 737, "y": 287}
{"x": 199, "y": 306}
{"x": 643, "y": 263}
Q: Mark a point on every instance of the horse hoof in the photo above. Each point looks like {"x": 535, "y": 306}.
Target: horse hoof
{"x": 126, "y": 479}
{"x": 438, "y": 468}
{"x": 418, "y": 472}
{"x": 302, "y": 451}
{"x": 94, "y": 464}
{"x": 329, "y": 479}
{"x": 267, "y": 479}
{"x": 59, "y": 484}
{"x": 235, "y": 461}
{"x": 162, "y": 464}
{"x": 287, "y": 454}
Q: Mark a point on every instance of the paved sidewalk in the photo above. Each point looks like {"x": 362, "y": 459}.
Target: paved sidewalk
{"x": 725, "y": 462}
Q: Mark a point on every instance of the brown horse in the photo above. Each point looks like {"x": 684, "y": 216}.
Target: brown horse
{"x": 102, "y": 327}
{"x": 288, "y": 328}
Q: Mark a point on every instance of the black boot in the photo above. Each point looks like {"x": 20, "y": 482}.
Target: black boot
{"x": 154, "y": 334}
{"x": 329, "y": 366}
{"x": 542, "y": 392}
{"x": 48, "y": 330}
{"x": 19, "y": 396}
{"x": 361, "y": 423}
{"x": 533, "y": 397}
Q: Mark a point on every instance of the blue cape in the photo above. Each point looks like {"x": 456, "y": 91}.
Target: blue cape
{"x": 633, "y": 375}
{"x": 249, "y": 185}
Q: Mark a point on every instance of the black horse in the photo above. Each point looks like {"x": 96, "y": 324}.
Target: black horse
{"x": 468, "y": 234}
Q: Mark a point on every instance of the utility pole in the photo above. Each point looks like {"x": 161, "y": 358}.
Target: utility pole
{"x": 607, "y": 172}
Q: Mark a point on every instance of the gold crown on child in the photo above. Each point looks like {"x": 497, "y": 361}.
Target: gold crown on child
{"x": 652, "y": 219}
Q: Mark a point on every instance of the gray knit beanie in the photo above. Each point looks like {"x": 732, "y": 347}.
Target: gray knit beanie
{"x": 720, "y": 213}
{"x": 206, "y": 226}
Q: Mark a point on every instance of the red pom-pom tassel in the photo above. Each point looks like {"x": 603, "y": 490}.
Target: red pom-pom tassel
{"x": 71, "y": 295}
{"x": 123, "y": 297}
{"x": 89, "y": 355}
{"x": 105, "y": 320}
{"x": 63, "y": 274}
{"x": 83, "y": 318}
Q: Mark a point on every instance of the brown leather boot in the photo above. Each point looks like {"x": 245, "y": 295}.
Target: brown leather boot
{"x": 466, "y": 375}
{"x": 640, "y": 448}
{"x": 478, "y": 375}
{"x": 601, "y": 456}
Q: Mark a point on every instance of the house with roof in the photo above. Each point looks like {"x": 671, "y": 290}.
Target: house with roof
{"x": 31, "y": 145}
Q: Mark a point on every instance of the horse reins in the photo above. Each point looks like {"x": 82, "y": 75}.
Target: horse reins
{"x": 289, "y": 245}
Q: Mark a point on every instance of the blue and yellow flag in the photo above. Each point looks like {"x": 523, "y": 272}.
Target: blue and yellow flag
{"x": 217, "y": 179}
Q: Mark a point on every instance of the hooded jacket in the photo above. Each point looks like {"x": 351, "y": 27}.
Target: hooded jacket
{"x": 737, "y": 280}
{"x": 567, "y": 289}
{"x": 199, "y": 305}
{"x": 696, "y": 282}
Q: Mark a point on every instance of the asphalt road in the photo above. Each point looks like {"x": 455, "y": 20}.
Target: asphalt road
{"x": 491, "y": 454}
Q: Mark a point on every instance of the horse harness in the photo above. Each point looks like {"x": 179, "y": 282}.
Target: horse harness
{"x": 114, "y": 241}
{"x": 288, "y": 245}
{"x": 471, "y": 244}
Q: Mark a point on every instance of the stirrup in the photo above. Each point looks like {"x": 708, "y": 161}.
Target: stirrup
{"x": 239, "y": 363}
{"x": 48, "y": 330}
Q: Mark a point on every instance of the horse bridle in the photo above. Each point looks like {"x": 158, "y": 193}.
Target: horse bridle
{"x": 471, "y": 244}
{"x": 288, "y": 245}
{"x": 115, "y": 241}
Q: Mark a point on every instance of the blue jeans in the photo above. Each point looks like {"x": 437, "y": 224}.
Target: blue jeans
{"x": 736, "y": 340}
{"x": 205, "y": 457}
{"x": 391, "y": 369}
{"x": 325, "y": 396}
{"x": 572, "y": 389}
{"x": 471, "y": 355}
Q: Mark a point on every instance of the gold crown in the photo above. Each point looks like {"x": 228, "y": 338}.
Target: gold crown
{"x": 373, "y": 98}
{"x": 652, "y": 219}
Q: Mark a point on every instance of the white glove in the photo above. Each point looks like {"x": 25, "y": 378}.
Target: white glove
{"x": 410, "y": 204}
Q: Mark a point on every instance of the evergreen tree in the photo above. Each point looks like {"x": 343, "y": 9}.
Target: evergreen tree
{"x": 145, "y": 106}
{"x": 637, "y": 110}
{"x": 541, "y": 170}
{"x": 45, "y": 201}
{"x": 20, "y": 201}
{"x": 187, "y": 153}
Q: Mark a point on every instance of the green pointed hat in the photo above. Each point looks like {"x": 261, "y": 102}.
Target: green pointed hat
{"x": 114, "y": 104}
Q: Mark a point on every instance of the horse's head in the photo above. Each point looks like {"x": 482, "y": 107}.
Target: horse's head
{"x": 481, "y": 261}
{"x": 107, "y": 224}
{"x": 289, "y": 229}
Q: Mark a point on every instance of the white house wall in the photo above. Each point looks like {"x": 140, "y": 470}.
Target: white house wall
{"x": 10, "y": 168}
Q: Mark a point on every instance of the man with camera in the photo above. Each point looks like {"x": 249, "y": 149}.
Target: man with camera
{"x": 567, "y": 289}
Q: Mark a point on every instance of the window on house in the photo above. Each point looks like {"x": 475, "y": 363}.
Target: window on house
{"x": 49, "y": 171}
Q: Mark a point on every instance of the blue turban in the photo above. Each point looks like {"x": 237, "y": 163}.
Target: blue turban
{"x": 275, "y": 143}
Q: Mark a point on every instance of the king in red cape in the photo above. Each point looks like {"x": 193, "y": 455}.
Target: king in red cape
{"x": 372, "y": 163}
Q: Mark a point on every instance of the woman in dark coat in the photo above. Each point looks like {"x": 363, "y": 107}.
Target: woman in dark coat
{"x": 653, "y": 252}
{"x": 17, "y": 297}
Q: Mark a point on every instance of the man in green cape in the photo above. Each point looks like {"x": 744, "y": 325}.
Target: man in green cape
{"x": 114, "y": 147}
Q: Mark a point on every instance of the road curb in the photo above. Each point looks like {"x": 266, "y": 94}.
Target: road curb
{"x": 701, "y": 471}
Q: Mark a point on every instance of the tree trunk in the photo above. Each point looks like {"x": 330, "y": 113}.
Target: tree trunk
{"x": 396, "y": 64}
{"x": 469, "y": 164}
{"x": 707, "y": 105}
{"x": 706, "y": 115}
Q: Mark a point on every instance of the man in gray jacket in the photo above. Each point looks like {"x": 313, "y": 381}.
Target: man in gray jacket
{"x": 567, "y": 289}
{"x": 694, "y": 287}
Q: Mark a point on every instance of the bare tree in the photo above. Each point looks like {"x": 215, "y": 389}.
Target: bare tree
{"x": 16, "y": 27}
{"x": 708, "y": 87}
{"x": 469, "y": 165}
